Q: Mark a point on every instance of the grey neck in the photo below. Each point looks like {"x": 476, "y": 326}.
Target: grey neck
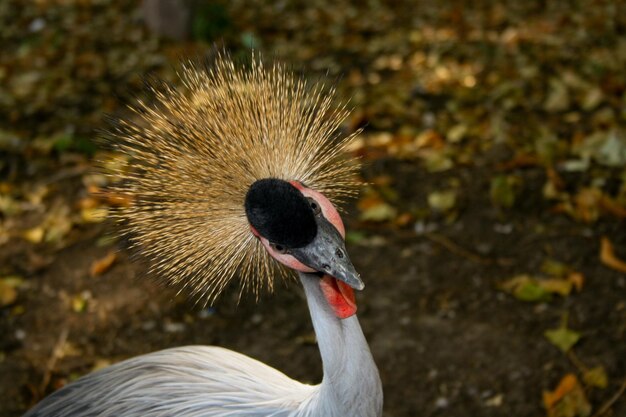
{"x": 351, "y": 385}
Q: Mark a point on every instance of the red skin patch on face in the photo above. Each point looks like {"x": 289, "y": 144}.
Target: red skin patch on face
{"x": 340, "y": 296}
{"x": 284, "y": 258}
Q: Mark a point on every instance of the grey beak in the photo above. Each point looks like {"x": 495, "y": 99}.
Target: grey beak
{"x": 327, "y": 254}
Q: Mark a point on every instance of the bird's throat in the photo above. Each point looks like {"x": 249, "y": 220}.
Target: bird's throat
{"x": 339, "y": 295}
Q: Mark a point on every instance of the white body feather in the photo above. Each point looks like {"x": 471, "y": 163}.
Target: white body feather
{"x": 201, "y": 381}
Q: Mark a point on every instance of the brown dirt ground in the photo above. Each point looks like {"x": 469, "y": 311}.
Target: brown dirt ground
{"x": 446, "y": 341}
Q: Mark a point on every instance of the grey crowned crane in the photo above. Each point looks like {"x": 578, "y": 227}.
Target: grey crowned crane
{"x": 229, "y": 173}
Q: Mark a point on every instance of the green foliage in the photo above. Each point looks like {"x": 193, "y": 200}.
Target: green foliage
{"x": 211, "y": 22}
{"x": 503, "y": 190}
{"x": 562, "y": 337}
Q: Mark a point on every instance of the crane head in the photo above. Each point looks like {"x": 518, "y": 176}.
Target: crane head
{"x": 223, "y": 135}
{"x": 300, "y": 228}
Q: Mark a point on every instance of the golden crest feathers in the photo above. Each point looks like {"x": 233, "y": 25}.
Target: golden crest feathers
{"x": 194, "y": 151}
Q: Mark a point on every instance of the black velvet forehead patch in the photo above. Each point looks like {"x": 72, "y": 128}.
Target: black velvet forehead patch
{"x": 280, "y": 213}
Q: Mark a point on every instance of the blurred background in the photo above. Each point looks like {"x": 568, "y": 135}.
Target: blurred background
{"x": 491, "y": 235}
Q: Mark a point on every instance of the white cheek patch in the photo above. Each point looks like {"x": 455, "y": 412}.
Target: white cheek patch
{"x": 328, "y": 209}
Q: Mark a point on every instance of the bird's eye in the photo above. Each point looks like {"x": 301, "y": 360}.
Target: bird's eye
{"x": 315, "y": 206}
{"x": 279, "y": 248}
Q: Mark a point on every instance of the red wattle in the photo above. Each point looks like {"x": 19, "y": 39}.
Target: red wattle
{"x": 340, "y": 296}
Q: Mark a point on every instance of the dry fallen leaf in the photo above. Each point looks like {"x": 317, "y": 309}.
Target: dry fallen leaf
{"x": 436, "y": 160}
{"x": 69, "y": 349}
{"x": 79, "y": 302}
{"x": 554, "y": 268}
{"x": 101, "y": 363}
{"x": 429, "y": 139}
{"x": 525, "y": 288}
{"x": 382, "y": 180}
{"x": 374, "y": 208}
{"x": 94, "y": 215}
{"x": 379, "y": 213}
{"x": 596, "y": 377}
{"x": 608, "y": 258}
{"x": 8, "y": 291}
{"x": 528, "y": 288}
{"x": 558, "y": 97}
{"x": 520, "y": 160}
{"x": 34, "y": 235}
{"x": 404, "y": 219}
{"x": 442, "y": 201}
{"x": 611, "y": 206}
{"x": 587, "y": 204}
{"x": 88, "y": 203}
{"x": 100, "y": 266}
{"x": 577, "y": 279}
{"x": 9, "y": 206}
{"x": 457, "y": 132}
{"x": 558, "y": 286}
{"x": 58, "y": 223}
{"x": 567, "y": 400}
